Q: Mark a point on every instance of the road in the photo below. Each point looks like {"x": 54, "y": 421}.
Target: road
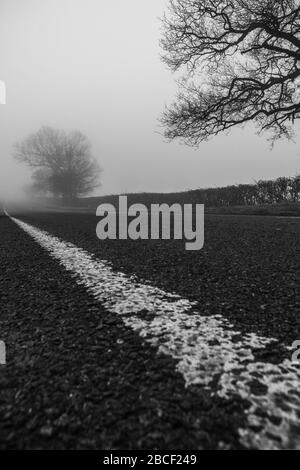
{"x": 142, "y": 345}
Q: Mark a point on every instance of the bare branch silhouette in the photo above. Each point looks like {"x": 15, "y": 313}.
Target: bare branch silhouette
{"x": 242, "y": 63}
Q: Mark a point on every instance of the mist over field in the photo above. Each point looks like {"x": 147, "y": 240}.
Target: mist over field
{"x": 95, "y": 66}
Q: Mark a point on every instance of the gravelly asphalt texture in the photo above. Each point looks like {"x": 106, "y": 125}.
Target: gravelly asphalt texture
{"x": 76, "y": 377}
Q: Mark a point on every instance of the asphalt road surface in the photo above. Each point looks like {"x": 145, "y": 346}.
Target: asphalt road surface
{"x": 143, "y": 345}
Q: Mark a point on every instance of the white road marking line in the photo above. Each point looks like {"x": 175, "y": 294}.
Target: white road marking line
{"x": 206, "y": 348}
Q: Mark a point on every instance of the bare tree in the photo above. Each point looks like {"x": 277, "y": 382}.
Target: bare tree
{"x": 41, "y": 181}
{"x": 63, "y": 162}
{"x": 241, "y": 59}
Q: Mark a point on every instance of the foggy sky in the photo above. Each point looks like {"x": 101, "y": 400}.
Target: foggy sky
{"x": 94, "y": 65}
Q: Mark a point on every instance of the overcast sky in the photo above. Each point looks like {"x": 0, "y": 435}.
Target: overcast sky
{"x": 94, "y": 65}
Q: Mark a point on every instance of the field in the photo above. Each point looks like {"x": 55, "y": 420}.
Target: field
{"x": 81, "y": 373}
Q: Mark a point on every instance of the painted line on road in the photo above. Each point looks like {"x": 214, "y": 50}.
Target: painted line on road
{"x": 207, "y": 349}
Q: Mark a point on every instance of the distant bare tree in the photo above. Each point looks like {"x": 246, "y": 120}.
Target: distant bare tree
{"x": 42, "y": 181}
{"x": 63, "y": 162}
{"x": 242, "y": 63}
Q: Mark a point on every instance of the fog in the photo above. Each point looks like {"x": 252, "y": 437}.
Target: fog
{"x": 95, "y": 65}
